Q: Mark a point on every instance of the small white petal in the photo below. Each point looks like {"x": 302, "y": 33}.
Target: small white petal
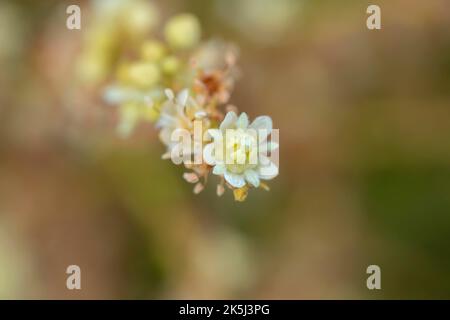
{"x": 242, "y": 121}
{"x": 192, "y": 102}
{"x": 165, "y": 121}
{"x": 169, "y": 94}
{"x": 252, "y": 177}
{"x": 268, "y": 170}
{"x": 180, "y": 109}
{"x": 166, "y": 156}
{"x": 219, "y": 169}
{"x": 200, "y": 114}
{"x": 176, "y": 153}
{"x": 234, "y": 180}
{"x": 229, "y": 120}
{"x": 183, "y": 97}
{"x": 262, "y": 125}
{"x": 208, "y": 154}
{"x": 164, "y": 135}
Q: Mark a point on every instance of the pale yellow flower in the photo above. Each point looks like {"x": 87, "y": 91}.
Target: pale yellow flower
{"x": 243, "y": 159}
{"x": 178, "y": 113}
{"x": 183, "y": 31}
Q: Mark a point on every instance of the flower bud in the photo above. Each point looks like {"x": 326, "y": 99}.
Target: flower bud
{"x": 139, "y": 18}
{"x": 153, "y": 51}
{"x": 183, "y": 31}
{"x": 143, "y": 74}
{"x": 170, "y": 65}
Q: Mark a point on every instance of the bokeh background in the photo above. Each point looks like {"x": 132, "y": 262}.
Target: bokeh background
{"x": 364, "y": 119}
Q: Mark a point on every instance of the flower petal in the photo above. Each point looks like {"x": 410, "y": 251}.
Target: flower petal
{"x": 164, "y": 135}
{"x": 234, "y": 180}
{"x": 182, "y": 97}
{"x": 169, "y": 94}
{"x": 229, "y": 120}
{"x": 242, "y": 121}
{"x": 263, "y": 123}
{"x": 166, "y": 155}
{"x": 268, "y": 170}
{"x": 200, "y": 114}
{"x": 165, "y": 120}
{"x": 219, "y": 169}
{"x": 208, "y": 154}
{"x": 252, "y": 177}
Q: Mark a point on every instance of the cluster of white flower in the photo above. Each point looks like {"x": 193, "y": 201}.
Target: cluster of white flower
{"x": 239, "y": 153}
{"x": 203, "y": 74}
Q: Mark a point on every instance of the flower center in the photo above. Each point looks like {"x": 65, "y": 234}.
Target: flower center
{"x": 241, "y": 151}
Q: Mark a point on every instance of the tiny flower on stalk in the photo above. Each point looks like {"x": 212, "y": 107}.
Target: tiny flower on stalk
{"x": 177, "y": 115}
{"x": 239, "y": 152}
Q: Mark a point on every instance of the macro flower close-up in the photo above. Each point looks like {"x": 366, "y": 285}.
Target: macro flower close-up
{"x": 239, "y": 151}
{"x": 224, "y": 149}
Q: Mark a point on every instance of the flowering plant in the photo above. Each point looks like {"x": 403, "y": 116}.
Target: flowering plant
{"x": 203, "y": 75}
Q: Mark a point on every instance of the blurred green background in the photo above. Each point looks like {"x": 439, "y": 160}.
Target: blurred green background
{"x": 364, "y": 119}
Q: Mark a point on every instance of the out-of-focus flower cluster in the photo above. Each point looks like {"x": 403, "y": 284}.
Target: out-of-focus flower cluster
{"x": 141, "y": 68}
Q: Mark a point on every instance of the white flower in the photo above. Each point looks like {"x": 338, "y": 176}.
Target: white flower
{"x": 172, "y": 115}
{"x": 183, "y": 31}
{"x": 239, "y": 150}
{"x": 177, "y": 116}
